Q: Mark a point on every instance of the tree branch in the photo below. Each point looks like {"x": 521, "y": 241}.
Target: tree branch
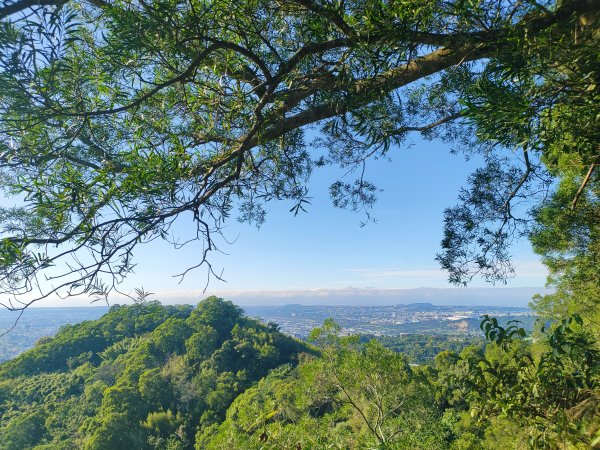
{"x": 331, "y": 16}
{"x": 506, "y": 205}
{"x": 365, "y": 91}
{"x": 584, "y": 182}
{"x": 22, "y": 5}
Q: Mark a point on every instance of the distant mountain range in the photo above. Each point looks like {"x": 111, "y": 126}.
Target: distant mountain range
{"x": 520, "y": 296}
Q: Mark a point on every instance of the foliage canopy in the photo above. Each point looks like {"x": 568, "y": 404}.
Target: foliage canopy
{"x": 139, "y": 377}
{"x": 118, "y": 117}
{"x": 149, "y": 376}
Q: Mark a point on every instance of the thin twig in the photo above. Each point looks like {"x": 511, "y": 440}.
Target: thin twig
{"x": 528, "y": 170}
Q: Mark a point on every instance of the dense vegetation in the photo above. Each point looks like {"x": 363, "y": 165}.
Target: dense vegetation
{"x": 512, "y": 394}
{"x": 117, "y": 118}
{"x": 144, "y": 376}
{"x": 423, "y": 348}
{"x": 177, "y": 377}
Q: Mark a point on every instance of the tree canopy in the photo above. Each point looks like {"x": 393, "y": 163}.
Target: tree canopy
{"x": 119, "y": 117}
{"x": 143, "y": 376}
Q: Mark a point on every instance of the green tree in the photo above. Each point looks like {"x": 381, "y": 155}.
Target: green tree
{"x": 115, "y": 432}
{"x": 201, "y": 344}
{"x": 155, "y": 389}
{"x": 117, "y": 118}
{"x": 390, "y": 399}
{"x": 570, "y": 242}
{"x": 24, "y": 432}
{"x": 352, "y": 396}
{"x": 545, "y": 396}
{"x": 221, "y": 315}
{"x": 163, "y": 425}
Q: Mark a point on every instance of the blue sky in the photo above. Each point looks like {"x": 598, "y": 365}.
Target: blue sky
{"x": 326, "y": 248}
{"x": 326, "y": 251}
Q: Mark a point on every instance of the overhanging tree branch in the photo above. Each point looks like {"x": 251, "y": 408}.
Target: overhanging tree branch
{"x": 21, "y": 5}
{"x": 187, "y": 111}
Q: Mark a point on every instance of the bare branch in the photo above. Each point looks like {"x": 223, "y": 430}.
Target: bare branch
{"x": 585, "y": 181}
{"x": 528, "y": 171}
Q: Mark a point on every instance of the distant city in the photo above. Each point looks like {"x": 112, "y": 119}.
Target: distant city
{"x": 417, "y": 318}
{"x": 36, "y": 323}
{"x": 296, "y": 320}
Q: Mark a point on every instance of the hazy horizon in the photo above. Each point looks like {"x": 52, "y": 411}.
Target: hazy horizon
{"x": 506, "y": 296}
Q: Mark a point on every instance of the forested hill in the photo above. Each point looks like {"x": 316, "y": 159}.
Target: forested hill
{"x": 180, "y": 378}
{"x": 142, "y": 376}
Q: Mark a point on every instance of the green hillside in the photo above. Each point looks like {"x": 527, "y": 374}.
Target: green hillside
{"x": 175, "y": 377}
{"x": 144, "y": 376}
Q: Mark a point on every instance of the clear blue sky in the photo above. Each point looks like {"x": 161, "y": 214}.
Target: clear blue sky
{"x": 327, "y": 248}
